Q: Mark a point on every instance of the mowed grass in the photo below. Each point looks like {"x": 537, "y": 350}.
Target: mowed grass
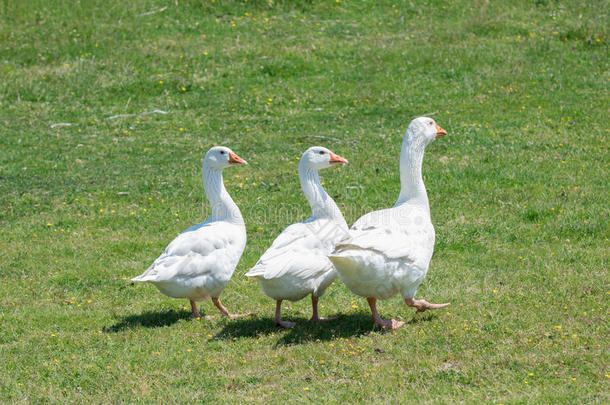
{"x": 519, "y": 196}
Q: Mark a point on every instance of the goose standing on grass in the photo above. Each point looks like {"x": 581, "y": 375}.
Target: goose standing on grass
{"x": 388, "y": 251}
{"x": 200, "y": 261}
{"x": 297, "y": 262}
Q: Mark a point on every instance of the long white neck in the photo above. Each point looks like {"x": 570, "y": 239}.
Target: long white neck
{"x": 322, "y": 205}
{"x": 412, "y": 188}
{"x": 221, "y": 203}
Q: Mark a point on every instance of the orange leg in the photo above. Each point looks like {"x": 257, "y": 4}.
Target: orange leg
{"x": 382, "y": 323}
{"x": 423, "y": 305}
{"x": 194, "y": 311}
{"x": 314, "y": 316}
{"x": 278, "y": 316}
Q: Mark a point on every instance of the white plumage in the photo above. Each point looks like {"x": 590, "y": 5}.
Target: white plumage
{"x": 388, "y": 251}
{"x": 297, "y": 262}
{"x": 198, "y": 264}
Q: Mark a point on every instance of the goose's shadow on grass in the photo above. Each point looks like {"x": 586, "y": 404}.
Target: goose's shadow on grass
{"x": 421, "y": 318}
{"x": 345, "y": 326}
{"x": 148, "y": 319}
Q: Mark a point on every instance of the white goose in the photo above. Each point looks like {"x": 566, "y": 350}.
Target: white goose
{"x": 388, "y": 251}
{"x": 200, "y": 261}
{"x": 297, "y": 262}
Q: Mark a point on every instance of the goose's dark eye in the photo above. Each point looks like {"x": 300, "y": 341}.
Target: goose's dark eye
{"x": 222, "y": 152}
{"x": 321, "y": 152}
{"x": 431, "y": 122}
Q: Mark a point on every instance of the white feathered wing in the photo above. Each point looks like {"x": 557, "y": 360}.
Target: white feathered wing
{"x": 386, "y": 252}
{"x": 297, "y": 262}
{"x": 199, "y": 262}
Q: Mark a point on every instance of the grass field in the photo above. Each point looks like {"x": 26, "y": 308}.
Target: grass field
{"x": 519, "y": 196}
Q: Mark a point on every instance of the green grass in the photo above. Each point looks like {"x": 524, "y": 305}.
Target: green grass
{"x": 519, "y": 195}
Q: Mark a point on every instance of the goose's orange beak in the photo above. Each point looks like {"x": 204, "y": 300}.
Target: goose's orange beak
{"x": 440, "y": 131}
{"x": 236, "y": 160}
{"x": 336, "y": 159}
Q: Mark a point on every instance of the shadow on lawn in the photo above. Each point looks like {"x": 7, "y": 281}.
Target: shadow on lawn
{"x": 149, "y": 320}
{"x": 345, "y": 326}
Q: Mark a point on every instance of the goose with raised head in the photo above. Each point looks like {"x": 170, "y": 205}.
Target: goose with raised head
{"x": 388, "y": 251}
{"x": 297, "y": 262}
{"x": 198, "y": 264}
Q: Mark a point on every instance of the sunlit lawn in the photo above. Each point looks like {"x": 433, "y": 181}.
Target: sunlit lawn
{"x": 519, "y": 196}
